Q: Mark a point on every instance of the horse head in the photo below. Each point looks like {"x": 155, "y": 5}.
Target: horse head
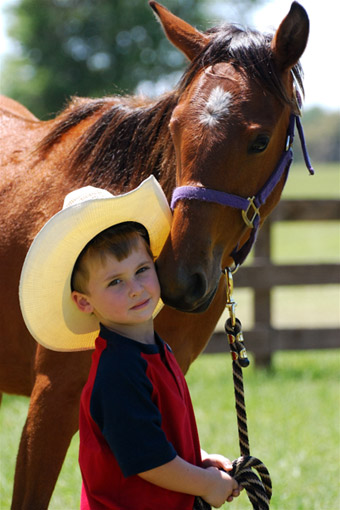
{"x": 229, "y": 130}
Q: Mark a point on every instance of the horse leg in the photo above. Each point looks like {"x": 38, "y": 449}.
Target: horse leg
{"x": 51, "y": 422}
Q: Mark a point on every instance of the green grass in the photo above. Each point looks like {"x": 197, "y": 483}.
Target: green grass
{"x": 12, "y": 418}
{"x": 293, "y": 420}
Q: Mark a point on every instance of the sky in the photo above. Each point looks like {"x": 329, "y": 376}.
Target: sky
{"x": 320, "y": 60}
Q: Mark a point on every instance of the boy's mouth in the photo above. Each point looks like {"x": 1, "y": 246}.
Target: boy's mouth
{"x": 141, "y": 304}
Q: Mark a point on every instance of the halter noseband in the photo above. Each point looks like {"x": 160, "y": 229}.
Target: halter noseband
{"x": 249, "y": 206}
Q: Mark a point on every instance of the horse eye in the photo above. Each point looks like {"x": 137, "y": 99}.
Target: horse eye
{"x": 259, "y": 145}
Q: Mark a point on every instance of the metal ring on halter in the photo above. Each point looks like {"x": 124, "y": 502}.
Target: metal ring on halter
{"x": 233, "y": 269}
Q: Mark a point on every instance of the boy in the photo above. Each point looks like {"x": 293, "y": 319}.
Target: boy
{"x": 139, "y": 448}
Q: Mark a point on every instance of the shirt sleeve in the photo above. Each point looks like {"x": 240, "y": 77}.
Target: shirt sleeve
{"x": 122, "y": 406}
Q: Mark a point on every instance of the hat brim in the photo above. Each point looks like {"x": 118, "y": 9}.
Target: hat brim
{"x": 50, "y": 315}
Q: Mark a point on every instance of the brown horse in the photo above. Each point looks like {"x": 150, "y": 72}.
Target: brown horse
{"x": 223, "y": 128}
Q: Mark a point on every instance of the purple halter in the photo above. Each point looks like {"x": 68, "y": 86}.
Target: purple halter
{"x": 249, "y": 206}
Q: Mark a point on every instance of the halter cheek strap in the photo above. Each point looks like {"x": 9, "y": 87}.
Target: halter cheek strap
{"x": 249, "y": 206}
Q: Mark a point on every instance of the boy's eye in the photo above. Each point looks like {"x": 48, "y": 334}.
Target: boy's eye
{"x": 142, "y": 269}
{"x": 114, "y": 282}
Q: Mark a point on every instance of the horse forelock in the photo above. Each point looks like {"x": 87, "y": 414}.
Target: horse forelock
{"x": 248, "y": 51}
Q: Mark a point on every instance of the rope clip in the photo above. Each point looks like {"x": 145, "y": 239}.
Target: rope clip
{"x": 231, "y": 303}
{"x": 233, "y": 326}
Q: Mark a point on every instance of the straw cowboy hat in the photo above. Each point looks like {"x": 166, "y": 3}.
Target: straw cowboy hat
{"x": 50, "y": 315}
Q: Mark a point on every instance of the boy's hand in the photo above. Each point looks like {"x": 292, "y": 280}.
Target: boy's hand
{"x": 222, "y": 488}
{"x": 220, "y": 462}
{"x": 214, "y": 485}
{"x": 216, "y": 460}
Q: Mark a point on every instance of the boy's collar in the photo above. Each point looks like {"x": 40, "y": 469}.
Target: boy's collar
{"x": 109, "y": 335}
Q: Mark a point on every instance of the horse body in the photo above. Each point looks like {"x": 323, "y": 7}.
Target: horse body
{"x": 53, "y": 380}
{"x": 221, "y": 129}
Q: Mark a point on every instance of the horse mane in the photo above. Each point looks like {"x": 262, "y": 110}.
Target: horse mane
{"x": 129, "y": 138}
{"x": 123, "y": 127}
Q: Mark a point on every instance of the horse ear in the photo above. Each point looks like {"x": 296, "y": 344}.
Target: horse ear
{"x": 291, "y": 37}
{"x": 182, "y": 35}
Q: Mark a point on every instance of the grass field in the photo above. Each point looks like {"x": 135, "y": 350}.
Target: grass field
{"x": 293, "y": 419}
{"x": 293, "y": 408}
{"x": 293, "y": 415}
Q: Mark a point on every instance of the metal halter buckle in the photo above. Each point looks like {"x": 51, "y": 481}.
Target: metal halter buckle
{"x": 250, "y": 221}
{"x": 288, "y": 143}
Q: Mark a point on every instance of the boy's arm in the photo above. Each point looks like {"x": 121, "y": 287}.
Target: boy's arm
{"x": 214, "y": 486}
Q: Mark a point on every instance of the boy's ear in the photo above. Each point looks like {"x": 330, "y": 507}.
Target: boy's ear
{"x": 82, "y": 302}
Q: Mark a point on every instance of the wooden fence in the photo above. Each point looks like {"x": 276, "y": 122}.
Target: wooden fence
{"x": 262, "y": 275}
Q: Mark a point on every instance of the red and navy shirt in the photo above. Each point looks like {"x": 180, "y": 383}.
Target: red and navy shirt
{"x": 135, "y": 415}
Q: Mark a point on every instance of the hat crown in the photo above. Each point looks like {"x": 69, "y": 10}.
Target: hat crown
{"x": 84, "y": 194}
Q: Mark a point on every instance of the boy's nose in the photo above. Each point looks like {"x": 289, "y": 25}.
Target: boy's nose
{"x": 135, "y": 288}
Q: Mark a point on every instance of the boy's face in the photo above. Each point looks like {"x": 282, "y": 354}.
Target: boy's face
{"x": 121, "y": 293}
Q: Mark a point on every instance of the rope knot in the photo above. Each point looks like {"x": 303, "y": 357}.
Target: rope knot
{"x": 259, "y": 488}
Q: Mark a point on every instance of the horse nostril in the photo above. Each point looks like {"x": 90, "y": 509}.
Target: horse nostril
{"x": 196, "y": 287}
{"x": 185, "y": 288}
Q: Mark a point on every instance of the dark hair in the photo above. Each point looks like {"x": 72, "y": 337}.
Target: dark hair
{"x": 119, "y": 240}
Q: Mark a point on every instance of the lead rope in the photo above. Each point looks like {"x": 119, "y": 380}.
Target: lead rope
{"x": 258, "y": 488}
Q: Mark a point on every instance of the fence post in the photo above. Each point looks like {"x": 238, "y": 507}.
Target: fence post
{"x": 262, "y": 347}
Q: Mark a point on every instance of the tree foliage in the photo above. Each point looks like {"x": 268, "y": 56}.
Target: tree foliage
{"x": 91, "y": 48}
{"x": 88, "y": 47}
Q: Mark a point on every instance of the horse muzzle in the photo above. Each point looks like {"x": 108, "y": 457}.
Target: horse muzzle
{"x": 184, "y": 290}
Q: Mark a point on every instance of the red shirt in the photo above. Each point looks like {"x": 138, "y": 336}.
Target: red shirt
{"x": 135, "y": 415}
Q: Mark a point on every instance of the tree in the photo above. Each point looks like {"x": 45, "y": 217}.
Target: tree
{"x": 90, "y": 48}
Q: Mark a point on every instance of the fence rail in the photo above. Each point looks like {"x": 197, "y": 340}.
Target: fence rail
{"x": 262, "y": 275}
